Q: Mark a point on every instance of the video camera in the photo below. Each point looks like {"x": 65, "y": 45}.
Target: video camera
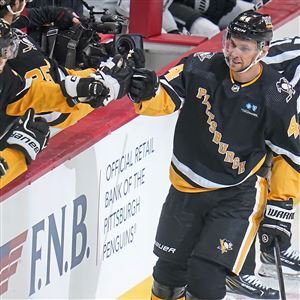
{"x": 80, "y": 46}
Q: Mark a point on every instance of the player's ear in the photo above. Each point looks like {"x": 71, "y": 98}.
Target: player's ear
{"x": 264, "y": 51}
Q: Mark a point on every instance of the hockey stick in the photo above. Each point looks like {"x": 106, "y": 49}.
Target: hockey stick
{"x": 279, "y": 270}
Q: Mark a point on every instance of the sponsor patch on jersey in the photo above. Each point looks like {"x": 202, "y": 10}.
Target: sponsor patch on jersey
{"x": 284, "y": 86}
{"x": 250, "y": 108}
{"x": 225, "y": 246}
{"x": 204, "y": 55}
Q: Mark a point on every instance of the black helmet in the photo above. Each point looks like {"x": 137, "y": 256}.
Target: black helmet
{"x": 252, "y": 25}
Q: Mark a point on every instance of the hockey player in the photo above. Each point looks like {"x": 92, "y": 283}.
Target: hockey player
{"x": 18, "y": 95}
{"x": 283, "y": 56}
{"x": 20, "y": 145}
{"x": 230, "y": 111}
{"x": 30, "y": 62}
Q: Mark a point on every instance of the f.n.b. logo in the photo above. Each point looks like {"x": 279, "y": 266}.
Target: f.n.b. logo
{"x": 10, "y": 254}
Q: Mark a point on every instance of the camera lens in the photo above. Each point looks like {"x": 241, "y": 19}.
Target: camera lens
{"x": 124, "y": 45}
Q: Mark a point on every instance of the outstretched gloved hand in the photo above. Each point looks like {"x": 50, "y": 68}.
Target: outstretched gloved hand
{"x": 143, "y": 86}
{"x": 89, "y": 90}
{"x": 116, "y": 74}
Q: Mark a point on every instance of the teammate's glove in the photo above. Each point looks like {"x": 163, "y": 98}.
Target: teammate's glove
{"x": 115, "y": 74}
{"x": 137, "y": 58}
{"x": 276, "y": 223}
{"x": 144, "y": 85}
{"x": 3, "y": 167}
{"x": 88, "y": 90}
{"x": 29, "y": 135}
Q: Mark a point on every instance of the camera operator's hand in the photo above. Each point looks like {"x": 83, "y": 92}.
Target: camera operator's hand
{"x": 144, "y": 85}
{"x": 64, "y": 17}
{"x": 29, "y": 135}
{"x": 89, "y": 90}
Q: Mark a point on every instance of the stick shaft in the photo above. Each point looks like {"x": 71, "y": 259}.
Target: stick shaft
{"x": 279, "y": 270}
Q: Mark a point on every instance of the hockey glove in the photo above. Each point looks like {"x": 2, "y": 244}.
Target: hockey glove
{"x": 88, "y": 90}
{"x": 137, "y": 58}
{"x": 276, "y": 223}
{"x": 116, "y": 75}
{"x": 29, "y": 136}
{"x": 143, "y": 86}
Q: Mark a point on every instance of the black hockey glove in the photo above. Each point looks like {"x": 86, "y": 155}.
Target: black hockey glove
{"x": 116, "y": 74}
{"x": 276, "y": 223}
{"x": 143, "y": 86}
{"x": 137, "y": 58}
{"x": 29, "y": 135}
{"x": 88, "y": 90}
{"x": 3, "y": 167}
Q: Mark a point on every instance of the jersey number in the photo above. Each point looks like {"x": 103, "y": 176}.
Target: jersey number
{"x": 41, "y": 73}
{"x": 293, "y": 128}
{"x": 174, "y": 72}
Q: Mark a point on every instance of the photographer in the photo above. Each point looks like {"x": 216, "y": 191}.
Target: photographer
{"x": 75, "y": 5}
{"x": 39, "y": 20}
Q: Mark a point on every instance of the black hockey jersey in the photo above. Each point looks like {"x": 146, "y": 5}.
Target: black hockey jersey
{"x": 18, "y": 94}
{"x": 223, "y": 127}
{"x": 31, "y": 63}
{"x": 284, "y": 56}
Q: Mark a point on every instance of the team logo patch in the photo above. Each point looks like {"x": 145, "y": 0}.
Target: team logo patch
{"x": 235, "y": 88}
{"x": 265, "y": 238}
{"x": 225, "y": 246}
{"x": 250, "y": 108}
{"x": 268, "y": 22}
{"x": 204, "y": 55}
{"x": 283, "y": 86}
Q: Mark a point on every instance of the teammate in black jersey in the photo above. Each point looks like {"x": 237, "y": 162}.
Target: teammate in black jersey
{"x": 21, "y": 139}
{"x": 31, "y": 62}
{"x": 283, "y": 56}
{"x": 17, "y": 94}
{"x": 231, "y": 111}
